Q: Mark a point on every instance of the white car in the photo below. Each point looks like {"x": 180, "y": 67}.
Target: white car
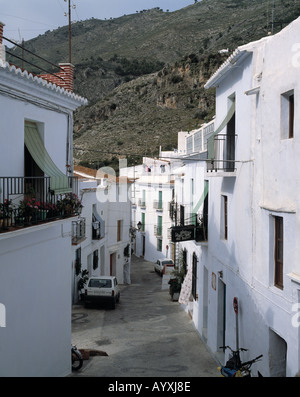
{"x": 103, "y": 289}
{"x": 164, "y": 266}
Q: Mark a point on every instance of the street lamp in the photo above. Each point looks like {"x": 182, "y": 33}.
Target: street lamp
{"x": 139, "y": 226}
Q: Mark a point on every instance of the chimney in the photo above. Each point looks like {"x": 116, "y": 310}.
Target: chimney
{"x": 64, "y": 78}
{"x": 67, "y": 73}
{"x": 2, "y": 48}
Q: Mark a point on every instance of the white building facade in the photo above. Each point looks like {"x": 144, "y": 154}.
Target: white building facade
{"x": 101, "y": 240}
{"x": 253, "y": 222}
{"x": 151, "y": 193}
{"x": 35, "y": 253}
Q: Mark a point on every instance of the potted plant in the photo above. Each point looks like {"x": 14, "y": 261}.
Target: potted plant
{"x": 28, "y": 209}
{"x": 84, "y": 276}
{"x": 70, "y": 204}
{"x": 6, "y": 210}
{"x": 175, "y": 288}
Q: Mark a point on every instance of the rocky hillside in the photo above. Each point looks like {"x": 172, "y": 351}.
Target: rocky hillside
{"x": 143, "y": 74}
{"x": 147, "y": 112}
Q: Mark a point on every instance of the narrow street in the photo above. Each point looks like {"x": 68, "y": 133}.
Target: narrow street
{"x": 147, "y": 335}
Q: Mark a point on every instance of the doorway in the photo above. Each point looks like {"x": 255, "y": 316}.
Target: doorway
{"x": 144, "y": 245}
{"x": 113, "y": 264}
{"x": 205, "y": 303}
{"x": 221, "y": 313}
{"x": 277, "y": 355}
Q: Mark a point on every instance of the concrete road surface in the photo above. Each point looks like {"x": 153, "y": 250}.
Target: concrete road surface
{"x": 147, "y": 335}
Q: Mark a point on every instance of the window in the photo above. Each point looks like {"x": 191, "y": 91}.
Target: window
{"x": 287, "y": 115}
{"x": 160, "y": 205}
{"x": 224, "y": 217}
{"x": 119, "y": 231}
{"x": 278, "y": 254}
{"x": 159, "y": 245}
{"x": 143, "y": 222}
{"x": 291, "y": 116}
{"x": 159, "y": 225}
{"x": 95, "y": 259}
{"x": 194, "y": 277}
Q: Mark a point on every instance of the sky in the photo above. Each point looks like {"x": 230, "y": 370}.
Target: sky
{"x": 26, "y": 19}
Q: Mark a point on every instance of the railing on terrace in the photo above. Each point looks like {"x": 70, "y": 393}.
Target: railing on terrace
{"x": 224, "y": 154}
{"x": 201, "y": 233}
{"x": 157, "y": 230}
{"x": 78, "y": 230}
{"x": 157, "y": 205}
{"x": 27, "y": 201}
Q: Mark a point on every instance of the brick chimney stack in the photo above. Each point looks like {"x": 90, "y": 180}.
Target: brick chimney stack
{"x": 66, "y": 73}
{"x": 2, "y": 54}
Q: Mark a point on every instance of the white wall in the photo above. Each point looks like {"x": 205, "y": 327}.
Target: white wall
{"x": 35, "y": 287}
{"x": 265, "y": 184}
{"x": 35, "y": 262}
{"x": 111, "y": 207}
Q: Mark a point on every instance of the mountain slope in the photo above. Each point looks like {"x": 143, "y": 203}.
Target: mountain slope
{"x": 143, "y": 74}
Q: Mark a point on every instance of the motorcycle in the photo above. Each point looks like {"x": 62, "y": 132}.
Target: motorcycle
{"x": 77, "y": 360}
{"x": 234, "y": 366}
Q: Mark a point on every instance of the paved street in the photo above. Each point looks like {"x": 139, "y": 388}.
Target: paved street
{"x": 147, "y": 335}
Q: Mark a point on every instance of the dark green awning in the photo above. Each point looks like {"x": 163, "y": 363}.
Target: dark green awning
{"x": 211, "y": 139}
{"x": 59, "y": 182}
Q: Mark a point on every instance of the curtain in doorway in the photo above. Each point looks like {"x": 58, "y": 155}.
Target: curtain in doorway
{"x": 186, "y": 288}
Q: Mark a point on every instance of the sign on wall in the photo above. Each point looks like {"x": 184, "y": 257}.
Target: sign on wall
{"x": 183, "y": 233}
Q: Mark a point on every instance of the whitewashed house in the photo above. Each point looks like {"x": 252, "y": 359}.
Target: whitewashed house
{"x": 35, "y": 253}
{"x": 188, "y": 211}
{"x": 253, "y": 213}
{"x": 101, "y": 235}
{"x": 151, "y": 193}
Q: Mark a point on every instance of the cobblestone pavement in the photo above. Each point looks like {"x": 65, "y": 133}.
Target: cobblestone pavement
{"x": 147, "y": 335}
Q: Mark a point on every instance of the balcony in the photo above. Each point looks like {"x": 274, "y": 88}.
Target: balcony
{"x": 28, "y": 201}
{"x": 98, "y": 226}
{"x": 157, "y": 230}
{"x": 142, "y": 203}
{"x": 157, "y": 205}
{"x": 78, "y": 231}
{"x": 223, "y": 159}
{"x": 201, "y": 232}
{"x": 173, "y": 211}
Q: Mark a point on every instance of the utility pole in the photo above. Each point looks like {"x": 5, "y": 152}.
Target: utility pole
{"x": 70, "y": 22}
{"x": 273, "y": 18}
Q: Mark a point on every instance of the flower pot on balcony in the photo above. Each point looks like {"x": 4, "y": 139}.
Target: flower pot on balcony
{"x": 42, "y": 215}
{"x": 6, "y": 222}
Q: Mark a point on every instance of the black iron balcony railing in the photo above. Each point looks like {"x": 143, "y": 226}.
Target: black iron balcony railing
{"x": 96, "y": 230}
{"x": 173, "y": 211}
{"x": 201, "y": 232}
{"x": 27, "y": 201}
{"x": 224, "y": 154}
{"x": 78, "y": 230}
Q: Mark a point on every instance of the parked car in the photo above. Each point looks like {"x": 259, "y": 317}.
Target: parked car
{"x": 164, "y": 266}
{"x": 104, "y": 289}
